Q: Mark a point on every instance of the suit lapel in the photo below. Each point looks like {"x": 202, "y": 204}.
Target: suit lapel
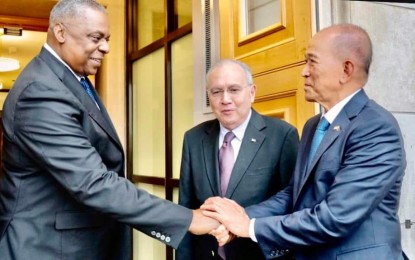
{"x": 210, "y": 148}
{"x": 101, "y": 115}
{"x": 70, "y": 81}
{"x": 332, "y": 133}
{"x": 339, "y": 125}
{"x": 252, "y": 141}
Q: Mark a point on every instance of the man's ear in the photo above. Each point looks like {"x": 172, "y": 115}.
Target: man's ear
{"x": 348, "y": 70}
{"x": 252, "y": 92}
{"x": 59, "y": 32}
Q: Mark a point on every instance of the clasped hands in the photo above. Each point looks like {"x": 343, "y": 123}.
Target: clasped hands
{"x": 222, "y": 218}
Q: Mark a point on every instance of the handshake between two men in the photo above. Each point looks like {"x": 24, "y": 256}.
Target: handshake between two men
{"x": 226, "y": 219}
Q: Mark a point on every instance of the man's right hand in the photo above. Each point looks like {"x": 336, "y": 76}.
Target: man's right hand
{"x": 229, "y": 213}
{"x": 222, "y": 235}
{"x": 201, "y": 224}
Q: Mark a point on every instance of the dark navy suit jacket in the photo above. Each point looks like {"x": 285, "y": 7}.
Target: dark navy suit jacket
{"x": 344, "y": 206}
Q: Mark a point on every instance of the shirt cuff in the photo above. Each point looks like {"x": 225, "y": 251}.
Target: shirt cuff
{"x": 252, "y": 230}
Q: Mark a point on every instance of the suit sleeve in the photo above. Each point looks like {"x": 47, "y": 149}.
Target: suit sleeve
{"x": 186, "y": 193}
{"x": 48, "y": 127}
{"x": 371, "y": 166}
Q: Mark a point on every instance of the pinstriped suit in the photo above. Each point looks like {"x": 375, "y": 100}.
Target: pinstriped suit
{"x": 63, "y": 194}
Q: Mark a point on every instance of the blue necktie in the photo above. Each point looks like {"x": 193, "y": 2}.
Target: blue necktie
{"x": 88, "y": 90}
{"x": 321, "y": 129}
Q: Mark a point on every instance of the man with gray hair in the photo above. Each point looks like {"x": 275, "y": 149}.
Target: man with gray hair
{"x": 63, "y": 194}
{"x": 263, "y": 152}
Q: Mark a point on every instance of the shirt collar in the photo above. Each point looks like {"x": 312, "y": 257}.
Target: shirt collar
{"x": 334, "y": 111}
{"x": 239, "y": 131}
{"x": 47, "y": 47}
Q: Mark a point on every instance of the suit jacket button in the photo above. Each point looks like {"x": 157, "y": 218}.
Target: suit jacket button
{"x": 168, "y": 239}
{"x": 153, "y": 233}
{"x": 158, "y": 234}
{"x": 163, "y": 237}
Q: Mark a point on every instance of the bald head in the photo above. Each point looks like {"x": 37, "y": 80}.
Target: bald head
{"x": 337, "y": 64}
{"x": 351, "y": 42}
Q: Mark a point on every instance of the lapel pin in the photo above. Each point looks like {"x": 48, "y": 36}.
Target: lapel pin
{"x": 336, "y": 128}
{"x": 253, "y": 140}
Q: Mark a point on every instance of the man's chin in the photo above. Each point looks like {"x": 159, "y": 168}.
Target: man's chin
{"x": 228, "y": 125}
{"x": 308, "y": 98}
{"x": 92, "y": 71}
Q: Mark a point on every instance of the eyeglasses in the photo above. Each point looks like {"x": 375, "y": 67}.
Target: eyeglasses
{"x": 232, "y": 91}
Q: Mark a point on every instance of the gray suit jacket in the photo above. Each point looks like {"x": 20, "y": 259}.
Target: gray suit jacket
{"x": 344, "y": 206}
{"x": 264, "y": 166}
{"x": 63, "y": 194}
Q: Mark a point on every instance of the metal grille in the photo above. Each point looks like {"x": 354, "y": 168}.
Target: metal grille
{"x": 208, "y": 42}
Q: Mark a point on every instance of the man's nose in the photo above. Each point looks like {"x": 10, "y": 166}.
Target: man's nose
{"x": 104, "y": 47}
{"x": 226, "y": 96}
{"x": 305, "y": 72}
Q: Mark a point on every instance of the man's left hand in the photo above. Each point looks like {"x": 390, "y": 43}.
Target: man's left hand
{"x": 229, "y": 213}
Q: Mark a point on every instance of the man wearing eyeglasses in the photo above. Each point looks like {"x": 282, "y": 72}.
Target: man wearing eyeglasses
{"x": 263, "y": 154}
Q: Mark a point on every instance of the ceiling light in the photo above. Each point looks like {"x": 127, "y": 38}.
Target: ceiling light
{"x": 15, "y": 31}
{"x": 8, "y": 64}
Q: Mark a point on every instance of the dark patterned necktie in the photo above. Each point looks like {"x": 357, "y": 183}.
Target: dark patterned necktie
{"x": 88, "y": 90}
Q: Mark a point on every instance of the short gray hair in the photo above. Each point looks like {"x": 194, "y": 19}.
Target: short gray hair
{"x": 72, "y": 8}
{"x": 245, "y": 67}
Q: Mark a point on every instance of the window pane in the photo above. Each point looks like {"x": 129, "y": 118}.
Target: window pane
{"x": 175, "y": 195}
{"x": 151, "y": 16}
{"x": 148, "y": 115}
{"x": 145, "y": 247}
{"x": 260, "y": 14}
{"x": 183, "y": 11}
{"x": 182, "y": 89}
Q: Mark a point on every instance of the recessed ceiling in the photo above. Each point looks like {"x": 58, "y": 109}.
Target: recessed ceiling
{"x": 32, "y": 16}
{"x": 29, "y": 15}
{"x": 27, "y": 8}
